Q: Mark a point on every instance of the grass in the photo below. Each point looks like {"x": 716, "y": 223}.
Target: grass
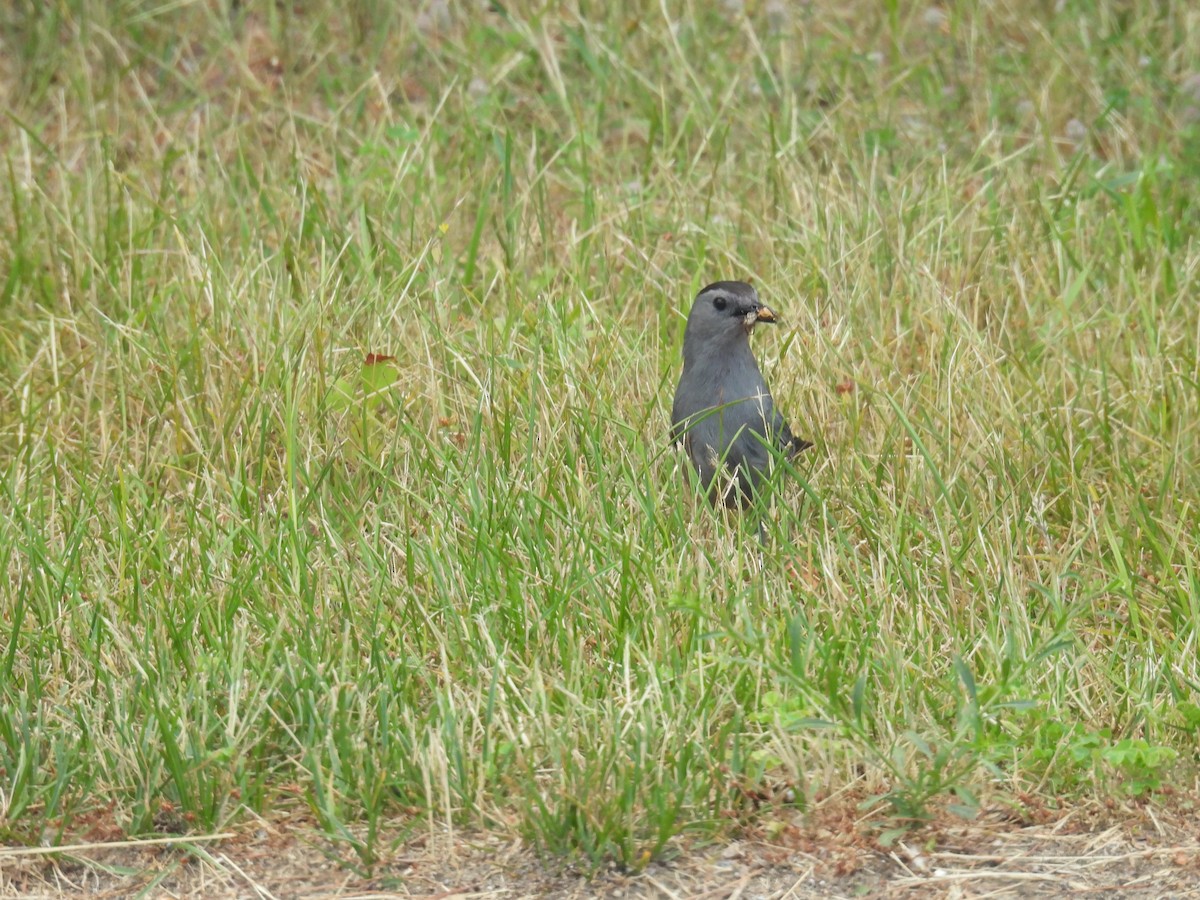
{"x": 249, "y": 565}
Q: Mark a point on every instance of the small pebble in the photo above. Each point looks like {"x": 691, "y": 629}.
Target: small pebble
{"x": 1189, "y": 89}
{"x": 435, "y": 16}
{"x": 935, "y": 18}
{"x": 777, "y": 16}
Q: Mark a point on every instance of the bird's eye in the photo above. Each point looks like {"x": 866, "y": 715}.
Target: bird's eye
{"x": 719, "y": 303}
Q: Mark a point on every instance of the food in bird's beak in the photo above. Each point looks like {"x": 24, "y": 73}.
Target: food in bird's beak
{"x": 762, "y": 314}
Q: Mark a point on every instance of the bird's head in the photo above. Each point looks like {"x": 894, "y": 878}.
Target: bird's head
{"x": 724, "y": 313}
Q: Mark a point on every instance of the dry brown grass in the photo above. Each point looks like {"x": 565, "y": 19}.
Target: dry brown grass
{"x": 1134, "y": 851}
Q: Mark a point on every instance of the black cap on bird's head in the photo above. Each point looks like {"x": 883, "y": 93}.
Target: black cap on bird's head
{"x": 724, "y": 312}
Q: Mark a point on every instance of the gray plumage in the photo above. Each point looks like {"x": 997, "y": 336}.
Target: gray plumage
{"x": 723, "y": 411}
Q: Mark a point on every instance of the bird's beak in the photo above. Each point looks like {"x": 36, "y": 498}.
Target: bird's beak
{"x": 766, "y": 314}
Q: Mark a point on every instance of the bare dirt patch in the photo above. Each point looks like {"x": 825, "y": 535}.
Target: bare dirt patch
{"x": 1086, "y": 851}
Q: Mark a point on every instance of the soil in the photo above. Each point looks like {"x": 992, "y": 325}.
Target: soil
{"x": 1140, "y": 852}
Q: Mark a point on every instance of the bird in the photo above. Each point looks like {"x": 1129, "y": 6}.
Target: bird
{"x": 723, "y": 411}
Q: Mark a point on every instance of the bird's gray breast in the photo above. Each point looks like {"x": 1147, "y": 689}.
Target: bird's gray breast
{"x": 725, "y": 413}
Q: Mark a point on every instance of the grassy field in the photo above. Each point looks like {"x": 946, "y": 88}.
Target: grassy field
{"x": 250, "y": 564}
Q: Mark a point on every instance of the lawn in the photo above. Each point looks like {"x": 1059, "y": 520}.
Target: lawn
{"x": 337, "y": 345}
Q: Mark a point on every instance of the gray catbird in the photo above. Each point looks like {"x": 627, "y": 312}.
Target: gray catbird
{"x": 723, "y": 410}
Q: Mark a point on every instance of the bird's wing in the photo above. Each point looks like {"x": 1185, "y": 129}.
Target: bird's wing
{"x": 749, "y": 452}
{"x": 749, "y": 455}
{"x": 728, "y": 444}
{"x": 700, "y": 432}
{"x": 788, "y": 442}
